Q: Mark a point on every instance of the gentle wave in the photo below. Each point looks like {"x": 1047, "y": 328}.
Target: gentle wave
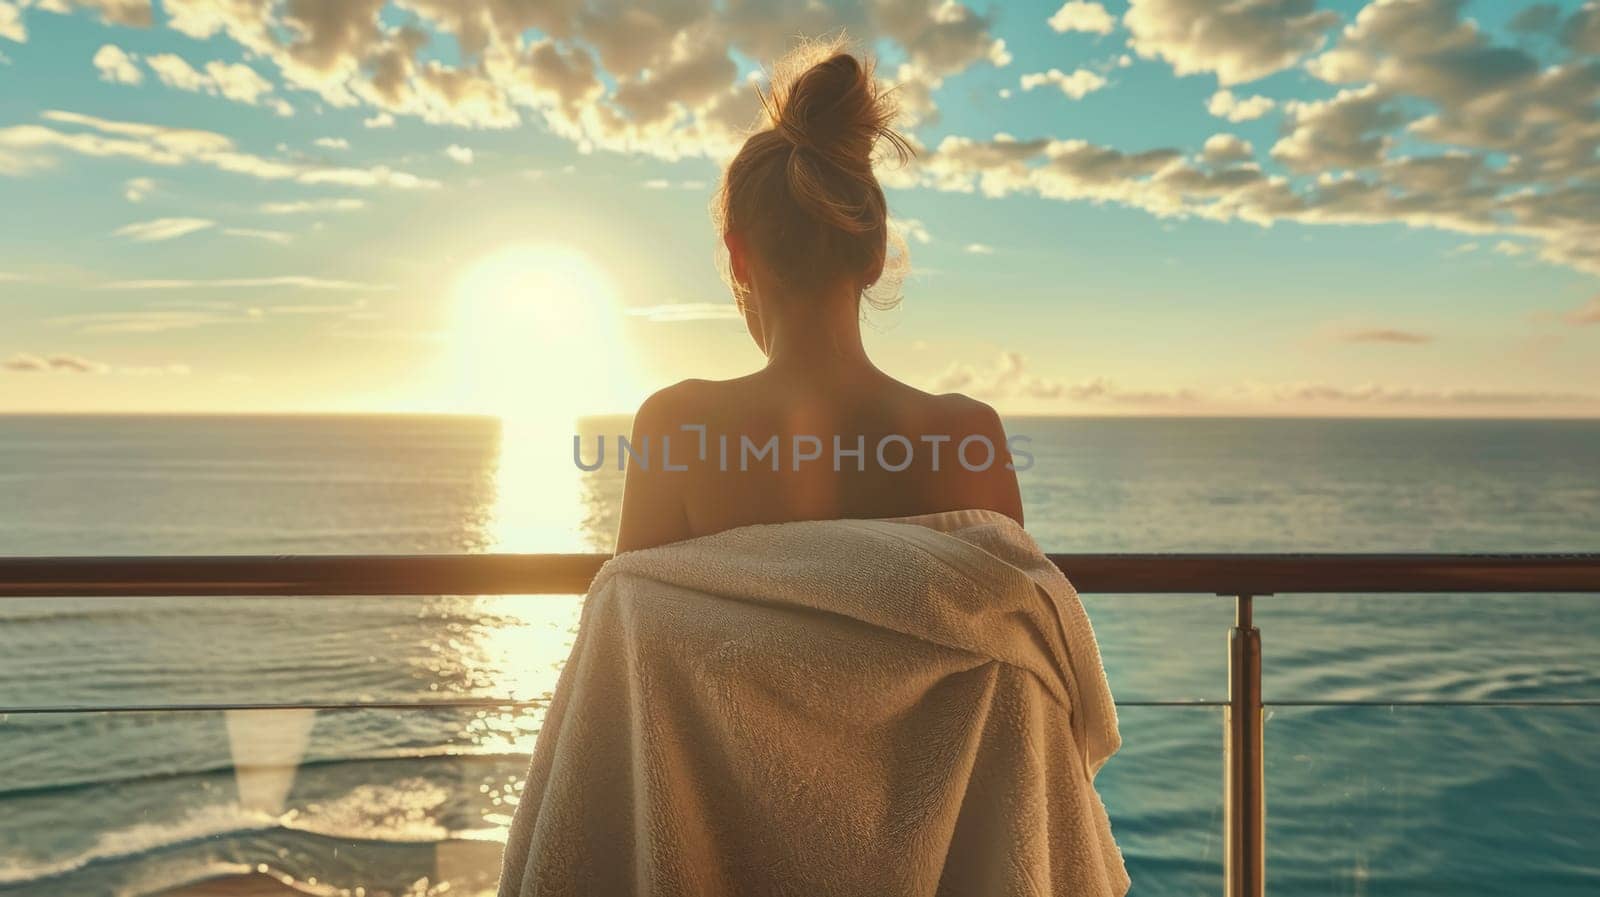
{"x": 222, "y": 822}
{"x": 462, "y": 754}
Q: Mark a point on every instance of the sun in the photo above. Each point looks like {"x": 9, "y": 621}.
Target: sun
{"x": 538, "y": 337}
{"x": 537, "y": 340}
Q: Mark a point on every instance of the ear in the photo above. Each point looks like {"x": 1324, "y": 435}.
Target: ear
{"x": 738, "y": 259}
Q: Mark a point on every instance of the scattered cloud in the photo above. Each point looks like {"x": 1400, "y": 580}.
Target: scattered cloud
{"x": 271, "y": 236}
{"x": 162, "y": 229}
{"x": 1386, "y": 335}
{"x": 1239, "y": 41}
{"x": 1008, "y": 377}
{"x": 1077, "y": 85}
{"x": 664, "y": 80}
{"x": 1434, "y": 126}
{"x": 116, "y": 66}
{"x": 1077, "y": 15}
{"x": 44, "y": 364}
{"x": 1346, "y": 132}
{"x": 310, "y": 206}
{"x": 1223, "y": 104}
{"x": 143, "y": 320}
{"x": 11, "y": 27}
{"x": 381, "y": 120}
{"x": 1374, "y": 393}
{"x": 664, "y": 184}
{"x": 138, "y": 189}
{"x": 230, "y": 80}
{"x": 687, "y": 311}
{"x": 26, "y": 363}
{"x": 295, "y": 281}
{"x": 26, "y": 147}
{"x": 978, "y": 249}
{"x": 912, "y": 229}
{"x": 113, "y": 12}
{"x": 1224, "y": 149}
{"x": 459, "y": 153}
{"x": 1507, "y": 247}
{"x": 1586, "y": 314}
{"x": 333, "y": 143}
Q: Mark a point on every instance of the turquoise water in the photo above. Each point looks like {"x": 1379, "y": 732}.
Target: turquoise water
{"x": 1389, "y": 799}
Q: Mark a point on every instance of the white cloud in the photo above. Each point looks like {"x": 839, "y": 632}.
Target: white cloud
{"x": 1381, "y": 394}
{"x": 912, "y": 229}
{"x": 664, "y": 184}
{"x": 44, "y": 364}
{"x": 305, "y": 206}
{"x": 116, "y": 66}
{"x": 1348, "y": 131}
{"x": 138, "y": 189}
{"x": 162, "y": 229}
{"x": 145, "y": 320}
{"x": 1008, "y": 377}
{"x": 230, "y": 80}
{"x": 687, "y": 311}
{"x": 28, "y": 363}
{"x": 294, "y": 281}
{"x": 11, "y": 27}
{"x": 1223, "y": 149}
{"x": 459, "y": 153}
{"x": 1239, "y": 41}
{"x": 333, "y": 143}
{"x": 978, "y": 249}
{"x": 1587, "y": 314}
{"x": 1223, "y": 104}
{"x": 26, "y": 147}
{"x": 381, "y": 120}
{"x": 270, "y": 236}
{"x": 1077, "y": 15}
{"x": 1077, "y": 85}
{"x": 118, "y": 12}
{"x": 175, "y": 71}
{"x": 238, "y": 82}
{"x": 1386, "y": 335}
{"x": 661, "y": 80}
{"x": 1507, "y": 247}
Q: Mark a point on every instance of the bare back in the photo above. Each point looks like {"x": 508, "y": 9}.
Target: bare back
{"x": 777, "y": 448}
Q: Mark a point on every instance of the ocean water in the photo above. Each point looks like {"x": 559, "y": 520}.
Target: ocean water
{"x": 1388, "y": 799}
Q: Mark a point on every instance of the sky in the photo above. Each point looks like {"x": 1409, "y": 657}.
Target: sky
{"x": 1261, "y": 207}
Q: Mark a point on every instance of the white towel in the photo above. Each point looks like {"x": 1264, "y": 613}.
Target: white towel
{"x": 849, "y": 707}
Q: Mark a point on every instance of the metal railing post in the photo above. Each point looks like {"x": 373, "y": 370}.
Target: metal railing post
{"x": 1244, "y": 786}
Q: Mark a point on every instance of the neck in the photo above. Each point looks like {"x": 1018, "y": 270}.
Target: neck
{"x": 815, "y": 332}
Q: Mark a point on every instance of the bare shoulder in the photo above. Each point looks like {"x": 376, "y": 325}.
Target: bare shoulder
{"x": 670, "y": 405}
{"x": 970, "y": 416}
{"x": 653, "y": 508}
{"x": 991, "y": 486}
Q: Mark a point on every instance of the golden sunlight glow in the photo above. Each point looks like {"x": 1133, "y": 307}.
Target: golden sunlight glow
{"x": 538, "y": 342}
{"x": 538, "y": 334}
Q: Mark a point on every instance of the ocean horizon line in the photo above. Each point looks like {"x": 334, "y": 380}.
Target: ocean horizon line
{"x": 1028, "y": 415}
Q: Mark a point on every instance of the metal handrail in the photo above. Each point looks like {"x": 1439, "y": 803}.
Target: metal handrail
{"x": 1246, "y": 577}
{"x": 554, "y": 574}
